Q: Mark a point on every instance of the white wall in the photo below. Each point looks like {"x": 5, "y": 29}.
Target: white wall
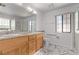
{"x": 39, "y": 19}
{"x": 48, "y": 25}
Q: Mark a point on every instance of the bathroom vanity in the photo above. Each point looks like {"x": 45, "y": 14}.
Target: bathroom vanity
{"x": 21, "y": 44}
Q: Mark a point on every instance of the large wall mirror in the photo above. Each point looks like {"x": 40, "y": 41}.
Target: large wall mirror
{"x": 7, "y": 24}
{"x": 77, "y": 22}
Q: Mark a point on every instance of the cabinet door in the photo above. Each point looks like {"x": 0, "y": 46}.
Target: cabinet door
{"x": 32, "y": 44}
{"x": 23, "y": 45}
{"x": 23, "y": 50}
{"x": 0, "y": 52}
{"x": 11, "y": 51}
{"x": 39, "y": 41}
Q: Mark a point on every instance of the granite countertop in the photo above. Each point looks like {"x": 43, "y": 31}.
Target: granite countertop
{"x": 13, "y": 35}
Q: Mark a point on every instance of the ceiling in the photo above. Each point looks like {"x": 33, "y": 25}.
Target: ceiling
{"x": 20, "y": 9}
{"x": 13, "y": 9}
{"x": 44, "y": 7}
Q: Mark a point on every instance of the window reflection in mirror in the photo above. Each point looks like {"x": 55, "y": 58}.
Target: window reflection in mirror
{"x": 14, "y": 25}
{"x": 7, "y": 24}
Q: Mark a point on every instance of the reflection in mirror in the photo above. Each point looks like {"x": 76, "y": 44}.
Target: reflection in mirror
{"x": 14, "y": 25}
{"x": 76, "y": 22}
{"x": 7, "y": 25}
{"x": 27, "y": 24}
{"x": 32, "y": 23}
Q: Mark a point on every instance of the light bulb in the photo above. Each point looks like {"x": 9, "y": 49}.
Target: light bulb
{"x": 34, "y": 12}
{"x": 29, "y": 9}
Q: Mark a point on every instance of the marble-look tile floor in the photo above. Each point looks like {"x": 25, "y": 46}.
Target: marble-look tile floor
{"x": 56, "y": 50}
{"x": 53, "y": 49}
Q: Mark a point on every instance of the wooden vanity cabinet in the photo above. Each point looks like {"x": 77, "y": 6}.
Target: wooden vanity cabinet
{"x": 32, "y": 44}
{"x": 8, "y": 47}
{"x": 21, "y": 45}
{"x": 1, "y": 52}
{"x": 39, "y": 41}
{"x": 35, "y": 42}
{"x": 16, "y": 46}
{"x": 11, "y": 51}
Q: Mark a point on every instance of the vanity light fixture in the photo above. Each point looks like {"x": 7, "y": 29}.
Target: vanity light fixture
{"x": 34, "y": 12}
{"x": 29, "y": 9}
